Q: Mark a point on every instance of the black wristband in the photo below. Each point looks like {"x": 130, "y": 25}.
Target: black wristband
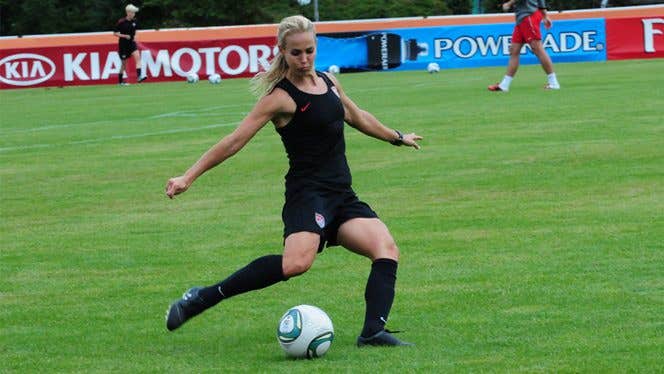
{"x": 398, "y": 141}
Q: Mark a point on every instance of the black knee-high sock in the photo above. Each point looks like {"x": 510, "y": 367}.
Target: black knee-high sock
{"x": 120, "y": 78}
{"x": 260, "y": 273}
{"x": 138, "y": 73}
{"x": 379, "y": 295}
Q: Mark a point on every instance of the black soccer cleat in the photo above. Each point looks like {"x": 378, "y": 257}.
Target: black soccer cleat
{"x": 382, "y": 338}
{"x": 190, "y": 305}
{"x": 141, "y": 79}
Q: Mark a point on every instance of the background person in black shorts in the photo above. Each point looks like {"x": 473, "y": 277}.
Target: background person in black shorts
{"x": 308, "y": 109}
{"x": 125, "y": 30}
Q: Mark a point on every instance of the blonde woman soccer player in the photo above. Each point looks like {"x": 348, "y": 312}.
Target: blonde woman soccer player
{"x": 125, "y": 30}
{"x": 308, "y": 109}
{"x": 529, "y": 15}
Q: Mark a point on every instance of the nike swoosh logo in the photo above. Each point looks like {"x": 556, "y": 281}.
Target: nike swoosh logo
{"x": 305, "y": 107}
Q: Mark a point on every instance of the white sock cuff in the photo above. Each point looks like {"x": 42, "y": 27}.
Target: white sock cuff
{"x": 505, "y": 83}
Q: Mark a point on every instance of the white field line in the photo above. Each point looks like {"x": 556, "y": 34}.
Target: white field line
{"x": 183, "y": 113}
{"x": 119, "y": 137}
{"x": 51, "y": 127}
{"x": 194, "y": 113}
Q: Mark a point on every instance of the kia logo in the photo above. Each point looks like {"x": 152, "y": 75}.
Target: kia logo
{"x": 26, "y": 69}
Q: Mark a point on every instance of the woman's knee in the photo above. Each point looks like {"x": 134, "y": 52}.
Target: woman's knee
{"x": 294, "y": 266}
{"x": 386, "y": 249}
{"x": 392, "y": 250}
{"x": 299, "y": 255}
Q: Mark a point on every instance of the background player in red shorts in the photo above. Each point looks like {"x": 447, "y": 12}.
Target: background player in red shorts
{"x": 529, "y": 15}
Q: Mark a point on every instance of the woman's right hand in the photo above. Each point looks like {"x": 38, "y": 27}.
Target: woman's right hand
{"x": 176, "y": 186}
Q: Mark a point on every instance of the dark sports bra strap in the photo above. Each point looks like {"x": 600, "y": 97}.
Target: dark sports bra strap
{"x": 292, "y": 91}
{"x": 285, "y": 85}
{"x": 327, "y": 80}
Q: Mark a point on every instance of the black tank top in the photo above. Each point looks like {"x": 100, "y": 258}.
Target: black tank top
{"x": 314, "y": 139}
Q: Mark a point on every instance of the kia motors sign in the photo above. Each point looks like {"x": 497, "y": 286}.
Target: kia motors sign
{"x": 25, "y": 69}
{"x": 161, "y": 61}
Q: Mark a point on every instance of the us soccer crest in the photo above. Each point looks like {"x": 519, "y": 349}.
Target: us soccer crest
{"x": 320, "y": 220}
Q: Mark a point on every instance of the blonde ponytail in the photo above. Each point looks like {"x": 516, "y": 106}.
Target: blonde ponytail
{"x": 263, "y": 83}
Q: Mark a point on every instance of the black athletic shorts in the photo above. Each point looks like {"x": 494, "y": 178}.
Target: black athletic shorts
{"x": 322, "y": 211}
{"x": 125, "y": 49}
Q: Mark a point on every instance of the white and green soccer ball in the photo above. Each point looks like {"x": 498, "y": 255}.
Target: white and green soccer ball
{"x": 333, "y": 69}
{"x": 214, "y": 78}
{"x": 192, "y": 78}
{"x": 305, "y": 331}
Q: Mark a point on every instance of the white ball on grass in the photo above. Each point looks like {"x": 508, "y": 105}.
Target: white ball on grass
{"x": 305, "y": 331}
{"x": 214, "y": 78}
{"x": 192, "y": 78}
{"x": 433, "y": 67}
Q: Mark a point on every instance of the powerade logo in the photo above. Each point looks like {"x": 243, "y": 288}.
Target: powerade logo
{"x": 384, "y": 52}
{"x": 26, "y": 69}
{"x": 471, "y": 46}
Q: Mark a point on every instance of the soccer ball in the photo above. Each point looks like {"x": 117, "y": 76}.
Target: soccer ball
{"x": 305, "y": 331}
{"x": 433, "y": 67}
{"x": 333, "y": 69}
{"x": 192, "y": 78}
{"x": 214, "y": 78}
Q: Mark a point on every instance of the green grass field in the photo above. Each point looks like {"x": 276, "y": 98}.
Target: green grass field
{"x": 531, "y": 226}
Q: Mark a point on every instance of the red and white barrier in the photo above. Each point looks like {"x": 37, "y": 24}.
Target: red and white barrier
{"x": 630, "y": 38}
{"x": 167, "y": 55}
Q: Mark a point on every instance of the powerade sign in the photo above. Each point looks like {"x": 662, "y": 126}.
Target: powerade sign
{"x": 458, "y": 46}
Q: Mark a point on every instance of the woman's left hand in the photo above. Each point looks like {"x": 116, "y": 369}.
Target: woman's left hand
{"x": 411, "y": 140}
